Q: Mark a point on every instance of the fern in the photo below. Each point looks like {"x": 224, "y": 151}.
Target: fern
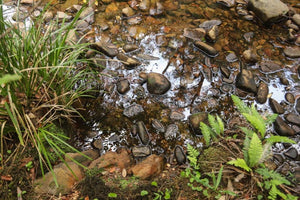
{"x": 246, "y": 148}
{"x": 267, "y": 152}
{"x": 193, "y": 156}
{"x": 257, "y": 123}
{"x": 276, "y": 138}
{"x": 240, "y": 163}
{"x": 270, "y": 119}
{"x": 255, "y": 150}
{"x": 221, "y": 124}
{"x": 214, "y": 124}
{"x": 240, "y": 104}
{"x": 206, "y": 132}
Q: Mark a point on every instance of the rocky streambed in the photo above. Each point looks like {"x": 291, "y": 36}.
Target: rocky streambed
{"x": 166, "y": 64}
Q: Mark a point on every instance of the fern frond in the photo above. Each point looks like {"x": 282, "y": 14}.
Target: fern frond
{"x": 246, "y": 148}
{"x": 214, "y": 124}
{"x": 221, "y": 124}
{"x": 248, "y": 132}
{"x": 240, "y": 163}
{"x": 240, "y": 104}
{"x": 206, "y": 132}
{"x": 256, "y": 123}
{"x": 276, "y": 138}
{"x": 267, "y": 152}
{"x": 270, "y": 174}
{"x": 193, "y": 156}
{"x": 270, "y": 119}
{"x": 255, "y": 150}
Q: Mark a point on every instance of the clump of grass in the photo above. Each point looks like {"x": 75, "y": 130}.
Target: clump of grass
{"x": 40, "y": 81}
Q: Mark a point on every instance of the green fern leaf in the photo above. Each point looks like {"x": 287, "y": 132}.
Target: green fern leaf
{"x": 257, "y": 123}
{"x": 276, "y": 138}
{"x": 240, "y": 163}
{"x": 221, "y": 124}
{"x": 193, "y": 156}
{"x": 206, "y": 132}
{"x": 214, "y": 124}
{"x": 246, "y": 148}
{"x": 270, "y": 174}
{"x": 248, "y": 132}
{"x": 240, "y": 104}
{"x": 267, "y": 152}
{"x": 271, "y": 118}
{"x": 255, "y": 150}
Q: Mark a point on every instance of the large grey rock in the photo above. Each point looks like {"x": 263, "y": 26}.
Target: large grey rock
{"x": 157, "y": 83}
{"x": 268, "y": 10}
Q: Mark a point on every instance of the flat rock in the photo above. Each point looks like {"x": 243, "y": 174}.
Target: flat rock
{"x": 141, "y": 151}
{"x": 105, "y": 48}
{"x": 292, "y": 52}
{"x": 250, "y": 56}
{"x": 151, "y": 166}
{"x": 296, "y": 19}
{"x": 128, "y": 61}
{"x": 157, "y": 83}
{"x": 207, "y": 25}
{"x": 270, "y": 67}
{"x": 87, "y": 15}
{"x": 130, "y": 47}
{"x": 158, "y": 125}
{"x": 275, "y": 106}
{"x": 227, "y": 3}
{"x": 85, "y": 157}
{"x": 245, "y": 81}
{"x": 64, "y": 177}
{"x": 194, "y": 33}
{"x": 123, "y": 86}
{"x": 293, "y": 118}
{"x": 143, "y": 132}
{"x": 172, "y": 132}
{"x": 268, "y": 10}
{"x": 291, "y": 153}
{"x": 133, "y": 110}
{"x": 119, "y": 159}
{"x": 282, "y": 128}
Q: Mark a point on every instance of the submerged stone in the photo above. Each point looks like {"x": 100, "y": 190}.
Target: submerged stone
{"x": 143, "y": 132}
{"x": 292, "y": 52}
{"x": 133, "y": 110}
{"x": 245, "y": 81}
{"x": 275, "y": 106}
{"x": 207, "y": 49}
{"x": 291, "y": 153}
{"x": 105, "y": 48}
{"x": 282, "y": 128}
{"x": 157, "y": 83}
{"x": 129, "y": 62}
{"x": 123, "y": 86}
{"x": 293, "y": 118}
{"x": 262, "y": 93}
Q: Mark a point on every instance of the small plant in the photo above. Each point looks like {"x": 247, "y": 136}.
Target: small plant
{"x": 159, "y": 195}
{"x": 271, "y": 182}
{"x": 215, "y": 131}
{"x": 144, "y": 193}
{"x": 112, "y": 195}
{"x": 202, "y": 184}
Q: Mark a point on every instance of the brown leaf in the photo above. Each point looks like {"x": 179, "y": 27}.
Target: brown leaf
{"x": 6, "y": 178}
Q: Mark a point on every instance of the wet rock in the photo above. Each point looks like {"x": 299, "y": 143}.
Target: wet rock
{"x": 157, "y": 83}
{"x": 297, "y": 106}
{"x": 119, "y": 159}
{"x": 226, "y": 88}
{"x": 179, "y": 155}
{"x": 284, "y": 81}
{"x": 291, "y": 153}
{"x": 293, "y": 118}
{"x": 156, "y": 9}
{"x": 48, "y": 16}
{"x": 137, "y": 32}
{"x": 296, "y": 19}
{"x": 275, "y": 106}
{"x": 151, "y": 166}
{"x": 141, "y": 151}
{"x": 19, "y": 16}
{"x": 130, "y": 47}
{"x": 128, "y": 11}
{"x": 175, "y": 115}
{"x": 289, "y": 97}
{"x": 133, "y": 110}
{"x": 245, "y": 81}
{"x": 279, "y": 158}
{"x": 212, "y": 34}
{"x": 103, "y": 25}
{"x": 227, "y": 3}
{"x": 129, "y": 62}
{"x": 143, "y": 132}
{"x": 123, "y": 86}
{"x": 207, "y": 49}
{"x": 267, "y": 13}
{"x": 74, "y": 8}
{"x": 105, "y": 48}
{"x": 85, "y": 157}
{"x": 194, "y": 33}
{"x": 161, "y": 40}
{"x": 72, "y": 37}
{"x": 195, "y": 119}
{"x": 282, "y": 128}
{"x": 262, "y": 93}
{"x": 28, "y": 1}
{"x": 250, "y": 56}
{"x": 292, "y": 52}
{"x": 207, "y": 25}
{"x": 61, "y": 16}
{"x": 248, "y": 36}
{"x": 248, "y": 17}
{"x": 270, "y": 67}
{"x": 64, "y": 177}
{"x": 146, "y": 57}
{"x": 225, "y": 71}
{"x": 158, "y": 125}
{"x": 87, "y": 15}
{"x": 97, "y": 144}
{"x": 231, "y": 57}
{"x": 134, "y": 21}
{"x": 172, "y": 132}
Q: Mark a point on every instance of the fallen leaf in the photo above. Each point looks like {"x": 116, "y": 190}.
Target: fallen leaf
{"x": 124, "y": 173}
{"x": 6, "y": 178}
{"x": 239, "y": 177}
